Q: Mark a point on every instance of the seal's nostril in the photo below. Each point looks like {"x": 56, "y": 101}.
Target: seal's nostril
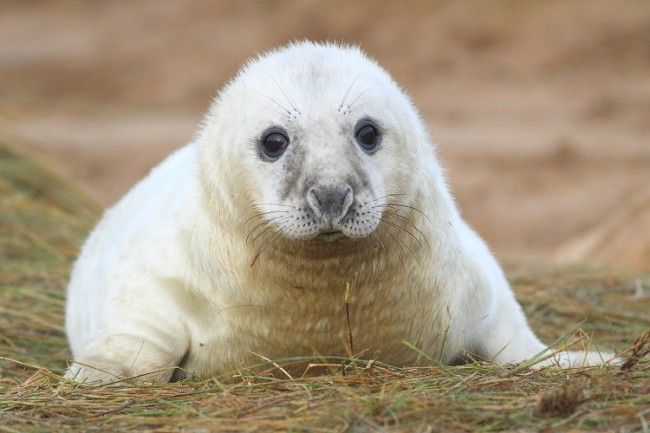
{"x": 314, "y": 202}
{"x": 348, "y": 195}
{"x": 314, "y": 194}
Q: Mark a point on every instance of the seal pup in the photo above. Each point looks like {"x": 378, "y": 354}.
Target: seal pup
{"x": 310, "y": 216}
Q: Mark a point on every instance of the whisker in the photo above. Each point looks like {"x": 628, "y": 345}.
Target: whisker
{"x": 395, "y": 238}
{"x": 383, "y": 247}
{"x": 288, "y": 112}
{"x": 401, "y": 252}
{"x": 407, "y": 221}
{"x": 268, "y": 242}
{"x": 264, "y": 213}
{"x": 345, "y": 96}
{"x": 262, "y": 233}
{"x": 270, "y": 221}
{"x": 384, "y": 196}
{"x": 281, "y": 114}
{"x": 278, "y": 204}
{"x": 397, "y": 226}
{"x": 285, "y": 95}
{"x": 265, "y": 230}
{"x": 263, "y": 246}
{"x": 361, "y": 94}
{"x": 351, "y": 109}
{"x": 406, "y": 206}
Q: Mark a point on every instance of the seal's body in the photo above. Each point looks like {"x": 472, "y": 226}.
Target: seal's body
{"x": 309, "y": 217}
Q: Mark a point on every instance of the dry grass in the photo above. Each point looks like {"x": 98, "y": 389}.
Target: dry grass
{"x": 42, "y": 223}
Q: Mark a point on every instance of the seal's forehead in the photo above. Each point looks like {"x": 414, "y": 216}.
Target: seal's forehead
{"x": 306, "y": 59}
{"x": 306, "y": 73}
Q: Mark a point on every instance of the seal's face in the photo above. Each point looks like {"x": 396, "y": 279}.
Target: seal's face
{"x": 327, "y": 183}
{"x": 321, "y": 134}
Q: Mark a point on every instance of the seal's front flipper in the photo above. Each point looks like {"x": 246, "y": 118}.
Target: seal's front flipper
{"x": 122, "y": 357}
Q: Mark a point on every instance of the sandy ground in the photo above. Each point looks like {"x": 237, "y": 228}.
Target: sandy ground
{"x": 541, "y": 110}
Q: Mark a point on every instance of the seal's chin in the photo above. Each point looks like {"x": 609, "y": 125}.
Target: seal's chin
{"x": 330, "y": 236}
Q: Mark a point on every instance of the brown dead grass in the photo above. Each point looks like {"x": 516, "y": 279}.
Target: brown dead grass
{"x": 42, "y": 223}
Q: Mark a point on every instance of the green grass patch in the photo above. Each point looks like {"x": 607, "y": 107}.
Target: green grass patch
{"x": 43, "y": 222}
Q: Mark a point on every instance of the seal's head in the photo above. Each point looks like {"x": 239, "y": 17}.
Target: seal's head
{"x": 318, "y": 137}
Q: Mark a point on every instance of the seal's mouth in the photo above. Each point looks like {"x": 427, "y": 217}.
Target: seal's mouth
{"x": 330, "y": 235}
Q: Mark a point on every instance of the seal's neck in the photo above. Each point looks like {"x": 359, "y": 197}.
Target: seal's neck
{"x": 320, "y": 265}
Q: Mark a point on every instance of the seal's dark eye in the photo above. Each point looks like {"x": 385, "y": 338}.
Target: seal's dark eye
{"x": 367, "y": 135}
{"x": 274, "y": 142}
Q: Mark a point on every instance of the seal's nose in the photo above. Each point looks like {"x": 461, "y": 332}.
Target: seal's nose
{"x": 330, "y": 201}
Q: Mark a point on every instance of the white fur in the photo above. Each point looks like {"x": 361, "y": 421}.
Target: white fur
{"x": 168, "y": 278}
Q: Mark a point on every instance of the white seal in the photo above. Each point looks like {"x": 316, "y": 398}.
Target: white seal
{"x": 310, "y": 216}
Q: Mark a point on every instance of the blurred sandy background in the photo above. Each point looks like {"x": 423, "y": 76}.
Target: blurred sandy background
{"x": 541, "y": 109}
